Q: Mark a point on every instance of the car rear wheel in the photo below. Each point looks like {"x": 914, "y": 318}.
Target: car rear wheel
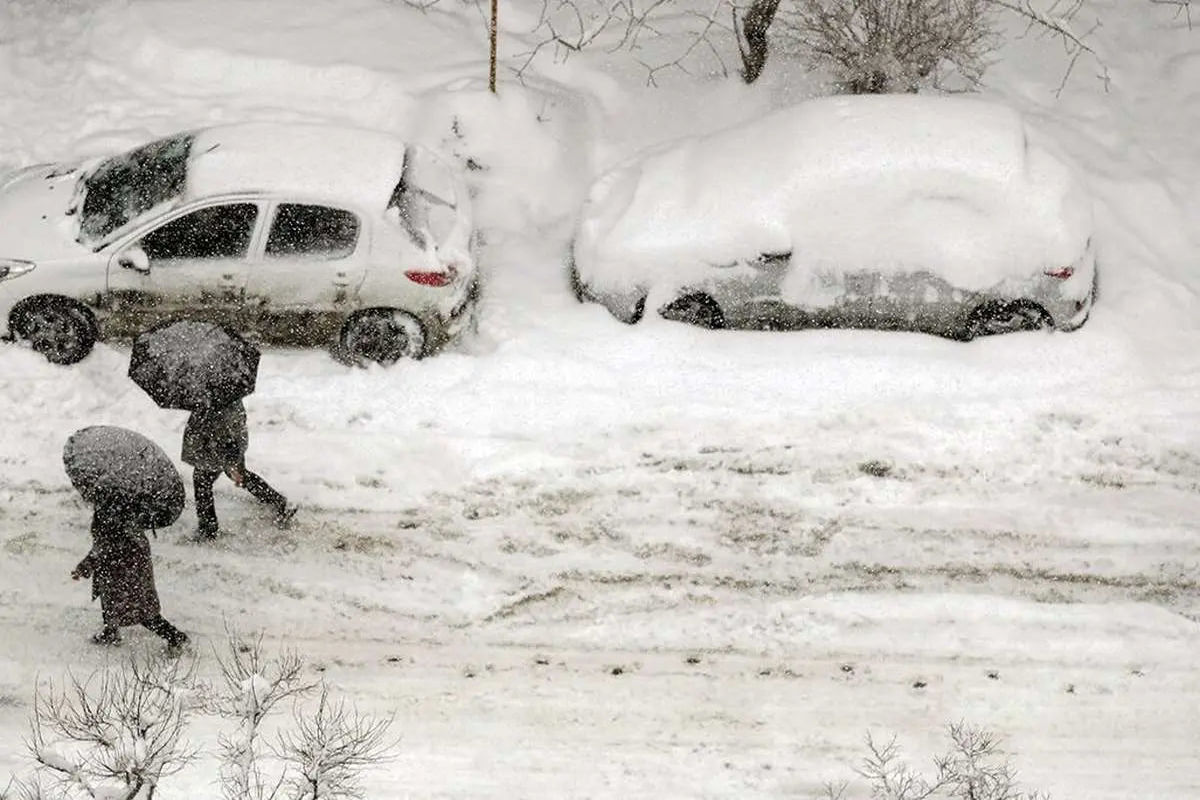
{"x": 695, "y": 309}
{"x": 382, "y": 336}
{"x": 1005, "y": 316}
{"x": 62, "y": 331}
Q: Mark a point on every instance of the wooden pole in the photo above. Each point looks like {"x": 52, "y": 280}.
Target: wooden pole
{"x": 492, "y": 56}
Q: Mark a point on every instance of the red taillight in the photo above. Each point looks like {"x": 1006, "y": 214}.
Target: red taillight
{"x": 431, "y": 278}
{"x": 1062, "y": 273}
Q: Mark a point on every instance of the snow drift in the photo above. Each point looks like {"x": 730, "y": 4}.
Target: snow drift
{"x": 962, "y": 188}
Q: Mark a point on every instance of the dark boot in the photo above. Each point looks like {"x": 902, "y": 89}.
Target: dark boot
{"x": 108, "y": 637}
{"x": 206, "y": 510}
{"x": 284, "y": 513}
{"x": 176, "y": 639}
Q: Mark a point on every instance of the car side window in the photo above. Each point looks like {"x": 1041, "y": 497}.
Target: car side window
{"x": 222, "y": 231}
{"x": 312, "y": 231}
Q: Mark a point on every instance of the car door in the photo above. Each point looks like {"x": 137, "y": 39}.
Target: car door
{"x": 313, "y": 263}
{"x": 193, "y": 265}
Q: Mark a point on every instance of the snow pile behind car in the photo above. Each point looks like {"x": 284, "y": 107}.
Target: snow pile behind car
{"x": 959, "y": 187}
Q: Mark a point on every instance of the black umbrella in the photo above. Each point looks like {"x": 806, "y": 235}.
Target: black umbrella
{"x": 114, "y": 465}
{"x": 193, "y": 365}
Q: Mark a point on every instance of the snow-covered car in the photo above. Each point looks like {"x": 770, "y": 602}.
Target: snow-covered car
{"x": 300, "y": 234}
{"x": 939, "y": 214}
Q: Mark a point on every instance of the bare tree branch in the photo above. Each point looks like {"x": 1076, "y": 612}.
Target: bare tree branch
{"x": 566, "y": 27}
{"x": 1182, "y": 7}
{"x": 1056, "y": 21}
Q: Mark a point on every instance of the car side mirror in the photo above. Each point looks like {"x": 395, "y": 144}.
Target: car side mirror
{"x": 135, "y": 258}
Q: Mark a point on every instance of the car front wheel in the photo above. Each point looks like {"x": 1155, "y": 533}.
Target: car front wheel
{"x": 695, "y": 309}
{"x": 383, "y": 336}
{"x": 63, "y": 333}
{"x": 1005, "y": 316}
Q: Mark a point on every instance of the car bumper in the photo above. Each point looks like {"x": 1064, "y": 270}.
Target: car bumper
{"x": 1072, "y": 315}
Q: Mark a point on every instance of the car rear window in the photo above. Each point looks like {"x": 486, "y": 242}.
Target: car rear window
{"x": 424, "y": 201}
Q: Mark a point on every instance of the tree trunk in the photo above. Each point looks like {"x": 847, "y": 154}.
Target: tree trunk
{"x": 492, "y": 47}
{"x": 876, "y": 82}
{"x": 752, "y": 37}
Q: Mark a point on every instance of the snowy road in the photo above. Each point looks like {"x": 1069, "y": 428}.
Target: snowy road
{"x": 678, "y": 616}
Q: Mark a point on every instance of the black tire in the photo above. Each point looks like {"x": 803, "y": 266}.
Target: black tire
{"x": 695, "y": 309}
{"x": 382, "y": 336}
{"x": 63, "y": 331}
{"x": 638, "y": 311}
{"x": 573, "y": 280}
{"x": 1005, "y": 316}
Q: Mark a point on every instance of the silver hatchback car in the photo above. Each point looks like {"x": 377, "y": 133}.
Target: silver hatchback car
{"x": 298, "y": 234}
{"x": 944, "y": 215}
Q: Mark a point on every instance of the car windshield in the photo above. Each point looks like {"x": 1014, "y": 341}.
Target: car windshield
{"x": 122, "y": 188}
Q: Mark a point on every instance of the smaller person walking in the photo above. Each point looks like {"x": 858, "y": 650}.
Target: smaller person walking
{"x": 122, "y": 577}
{"x": 215, "y": 441}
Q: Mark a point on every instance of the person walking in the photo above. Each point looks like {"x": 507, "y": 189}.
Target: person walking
{"x": 215, "y": 442}
{"x": 122, "y": 576}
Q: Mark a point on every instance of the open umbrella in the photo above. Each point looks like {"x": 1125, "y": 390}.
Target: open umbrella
{"x": 108, "y": 464}
{"x": 193, "y": 365}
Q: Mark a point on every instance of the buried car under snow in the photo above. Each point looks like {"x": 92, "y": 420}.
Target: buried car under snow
{"x": 937, "y": 214}
{"x": 303, "y": 234}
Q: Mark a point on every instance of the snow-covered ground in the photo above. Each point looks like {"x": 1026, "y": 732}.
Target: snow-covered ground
{"x": 781, "y": 540}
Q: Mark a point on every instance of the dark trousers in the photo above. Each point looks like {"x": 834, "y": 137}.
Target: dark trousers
{"x": 166, "y": 630}
{"x": 206, "y": 510}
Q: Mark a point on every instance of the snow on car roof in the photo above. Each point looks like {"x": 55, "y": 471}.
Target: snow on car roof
{"x": 878, "y": 182}
{"x": 343, "y": 164}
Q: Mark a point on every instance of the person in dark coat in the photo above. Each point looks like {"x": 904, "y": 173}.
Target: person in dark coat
{"x": 123, "y": 577}
{"x": 215, "y": 441}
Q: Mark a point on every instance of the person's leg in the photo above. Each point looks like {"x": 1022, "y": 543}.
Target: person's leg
{"x": 262, "y": 491}
{"x": 206, "y": 509}
{"x": 110, "y": 633}
{"x": 169, "y": 633}
{"x": 254, "y": 484}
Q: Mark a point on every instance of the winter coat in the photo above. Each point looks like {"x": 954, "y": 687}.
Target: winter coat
{"x": 121, "y": 571}
{"x": 216, "y": 438}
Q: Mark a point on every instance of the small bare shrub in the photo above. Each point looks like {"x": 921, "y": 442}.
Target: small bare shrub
{"x": 329, "y": 748}
{"x": 253, "y": 684}
{"x": 319, "y": 757}
{"x": 972, "y": 769}
{"x": 877, "y": 46}
{"x": 116, "y": 734}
